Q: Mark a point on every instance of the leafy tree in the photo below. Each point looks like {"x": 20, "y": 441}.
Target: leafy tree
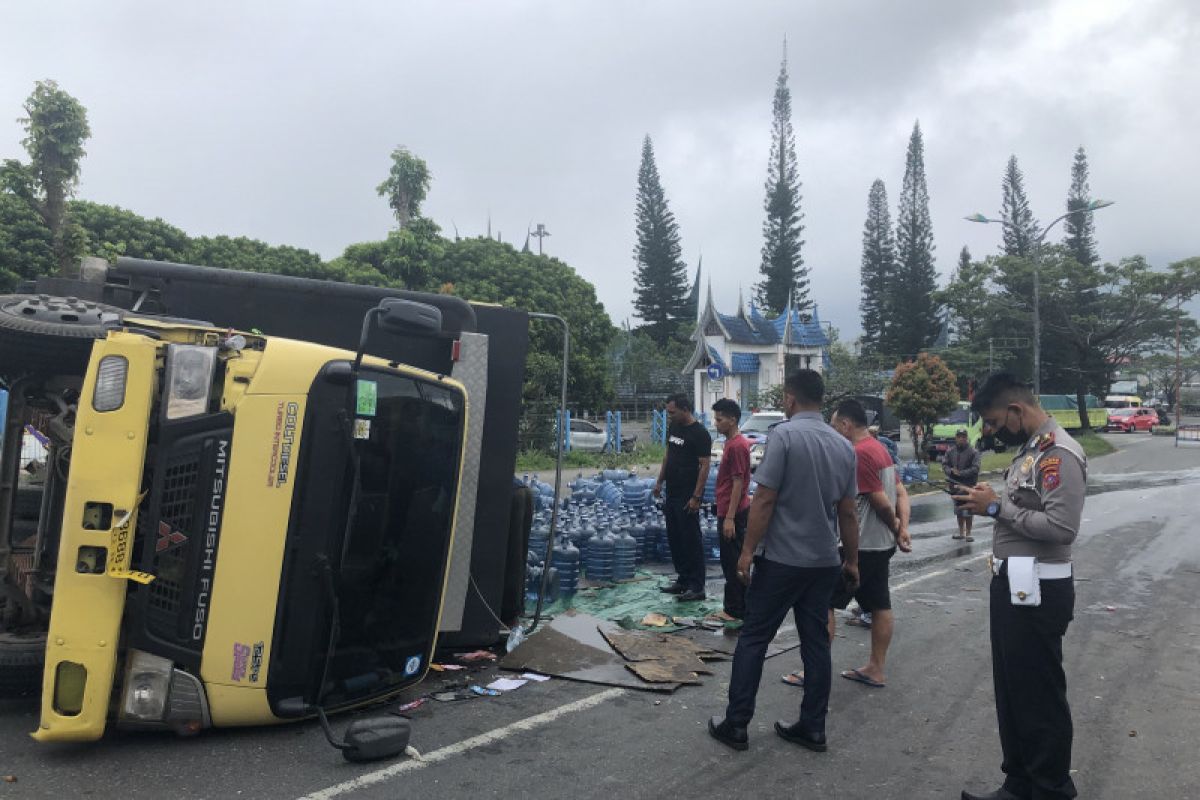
{"x": 1166, "y": 374}
{"x": 406, "y": 186}
{"x": 404, "y": 259}
{"x": 56, "y": 128}
{"x": 1080, "y": 228}
{"x": 914, "y": 324}
{"x": 1105, "y": 316}
{"x": 488, "y": 271}
{"x": 1020, "y": 228}
{"x": 255, "y": 256}
{"x": 878, "y": 270}
{"x": 784, "y": 275}
{"x": 970, "y": 312}
{"x": 26, "y": 247}
{"x": 110, "y": 231}
{"x": 660, "y": 279}
{"x": 849, "y": 376}
{"x": 921, "y": 391}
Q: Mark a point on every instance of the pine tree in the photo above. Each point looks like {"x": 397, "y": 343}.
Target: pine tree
{"x": 914, "y": 325}
{"x": 784, "y": 274}
{"x": 878, "y": 269}
{"x": 1020, "y": 228}
{"x": 660, "y": 279}
{"x": 1080, "y": 229}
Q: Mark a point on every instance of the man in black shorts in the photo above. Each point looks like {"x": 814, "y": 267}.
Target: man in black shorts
{"x": 883, "y": 512}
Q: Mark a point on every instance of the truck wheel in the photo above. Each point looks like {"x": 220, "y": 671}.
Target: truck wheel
{"x": 21, "y": 659}
{"x": 36, "y": 330}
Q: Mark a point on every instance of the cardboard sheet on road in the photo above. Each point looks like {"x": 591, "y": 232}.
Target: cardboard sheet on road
{"x": 572, "y": 648}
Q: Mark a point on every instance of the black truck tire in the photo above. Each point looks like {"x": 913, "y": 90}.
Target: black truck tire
{"x": 40, "y": 333}
{"x": 22, "y": 657}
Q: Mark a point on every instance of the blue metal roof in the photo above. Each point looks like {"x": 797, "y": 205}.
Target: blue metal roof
{"x": 744, "y": 363}
{"x": 716, "y": 358}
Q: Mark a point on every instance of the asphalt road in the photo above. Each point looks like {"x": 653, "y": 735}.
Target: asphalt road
{"x": 1131, "y": 657}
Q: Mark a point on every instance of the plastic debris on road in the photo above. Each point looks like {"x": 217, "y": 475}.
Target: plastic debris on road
{"x": 476, "y": 656}
{"x": 482, "y": 692}
{"x": 506, "y": 684}
{"x": 533, "y": 676}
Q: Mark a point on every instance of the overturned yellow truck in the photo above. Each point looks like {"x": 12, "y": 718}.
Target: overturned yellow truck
{"x": 235, "y": 527}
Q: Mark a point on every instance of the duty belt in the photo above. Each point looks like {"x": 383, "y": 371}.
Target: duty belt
{"x": 1045, "y": 571}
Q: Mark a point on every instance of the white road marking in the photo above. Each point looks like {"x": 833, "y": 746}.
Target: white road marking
{"x": 529, "y": 723}
{"x": 935, "y": 573}
{"x": 482, "y": 740}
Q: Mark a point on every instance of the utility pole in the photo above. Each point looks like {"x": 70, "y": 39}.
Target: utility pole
{"x": 1178, "y": 366}
{"x": 1037, "y": 259}
{"x": 541, "y": 233}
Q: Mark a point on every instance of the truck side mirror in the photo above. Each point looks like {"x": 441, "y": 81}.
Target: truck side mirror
{"x": 396, "y": 315}
{"x": 374, "y": 738}
{"x": 405, "y": 316}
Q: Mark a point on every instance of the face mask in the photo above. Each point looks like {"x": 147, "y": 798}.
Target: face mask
{"x": 1009, "y": 438}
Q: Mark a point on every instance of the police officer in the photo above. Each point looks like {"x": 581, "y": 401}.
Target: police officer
{"x": 1032, "y": 592}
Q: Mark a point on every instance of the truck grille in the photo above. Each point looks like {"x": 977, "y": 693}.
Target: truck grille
{"x": 176, "y": 512}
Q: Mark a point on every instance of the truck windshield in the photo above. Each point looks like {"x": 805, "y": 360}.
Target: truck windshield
{"x": 388, "y": 551}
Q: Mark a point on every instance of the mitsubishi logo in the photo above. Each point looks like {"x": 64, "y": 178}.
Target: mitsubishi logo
{"x": 168, "y": 538}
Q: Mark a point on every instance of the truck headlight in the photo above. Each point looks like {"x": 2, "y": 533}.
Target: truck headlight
{"x": 109, "y": 394}
{"x": 147, "y": 686}
{"x": 189, "y": 379}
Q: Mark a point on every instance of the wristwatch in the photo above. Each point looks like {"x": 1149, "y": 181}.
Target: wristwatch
{"x": 993, "y": 509}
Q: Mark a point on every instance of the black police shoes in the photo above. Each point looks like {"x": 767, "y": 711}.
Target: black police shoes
{"x": 999, "y": 794}
{"x": 690, "y": 596}
{"x": 797, "y": 735}
{"x": 673, "y": 588}
{"x": 727, "y": 734}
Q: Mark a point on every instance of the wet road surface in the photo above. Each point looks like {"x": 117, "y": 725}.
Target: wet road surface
{"x": 1131, "y": 656}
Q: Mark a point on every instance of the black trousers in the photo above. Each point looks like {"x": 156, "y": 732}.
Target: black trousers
{"x": 775, "y": 590}
{"x": 687, "y": 543}
{"x": 731, "y": 551}
{"x": 1031, "y": 689}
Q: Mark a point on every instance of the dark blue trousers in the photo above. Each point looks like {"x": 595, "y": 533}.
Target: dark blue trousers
{"x": 775, "y": 590}
{"x": 687, "y": 543}
{"x": 1031, "y": 689}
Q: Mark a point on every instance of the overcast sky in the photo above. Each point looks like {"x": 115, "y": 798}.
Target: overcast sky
{"x": 275, "y": 120}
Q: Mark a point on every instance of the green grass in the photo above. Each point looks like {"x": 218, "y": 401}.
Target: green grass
{"x": 1092, "y": 445}
{"x": 540, "y": 461}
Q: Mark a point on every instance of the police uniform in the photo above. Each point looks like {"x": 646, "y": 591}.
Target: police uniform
{"x": 1037, "y": 515}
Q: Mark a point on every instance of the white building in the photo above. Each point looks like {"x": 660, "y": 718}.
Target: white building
{"x": 753, "y": 353}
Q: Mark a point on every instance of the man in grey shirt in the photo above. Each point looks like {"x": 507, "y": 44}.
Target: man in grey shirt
{"x": 806, "y": 496}
{"x": 1037, "y": 519}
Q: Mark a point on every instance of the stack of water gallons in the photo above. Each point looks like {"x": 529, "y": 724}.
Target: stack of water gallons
{"x": 711, "y": 532}
{"x": 600, "y": 557}
{"x": 911, "y": 471}
{"x": 566, "y": 561}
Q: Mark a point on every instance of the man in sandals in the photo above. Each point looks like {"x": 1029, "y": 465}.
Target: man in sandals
{"x": 883, "y": 512}
{"x": 962, "y": 464}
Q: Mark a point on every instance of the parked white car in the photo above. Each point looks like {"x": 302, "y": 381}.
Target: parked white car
{"x": 591, "y": 438}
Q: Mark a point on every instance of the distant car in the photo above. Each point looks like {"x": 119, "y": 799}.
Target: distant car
{"x": 1129, "y": 420}
{"x": 755, "y": 428}
{"x": 591, "y": 438}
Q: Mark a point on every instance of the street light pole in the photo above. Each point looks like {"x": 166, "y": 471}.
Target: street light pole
{"x": 1037, "y": 289}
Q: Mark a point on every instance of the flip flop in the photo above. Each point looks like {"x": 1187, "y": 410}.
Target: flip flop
{"x": 858, "y": 677}
{"x": 957, "y": 536}
{"x": 858, "y": 622}
{"x": 969, "y": 538}
{"x": 793, "y": 679}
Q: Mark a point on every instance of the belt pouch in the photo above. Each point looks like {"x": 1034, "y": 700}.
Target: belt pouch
{"x": 1023, "y": 585}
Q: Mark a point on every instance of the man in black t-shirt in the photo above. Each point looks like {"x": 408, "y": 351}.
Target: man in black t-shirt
{"x": 684, "y": 471}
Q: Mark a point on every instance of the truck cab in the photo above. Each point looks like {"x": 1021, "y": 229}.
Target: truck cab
{"x": 238, "y": 528}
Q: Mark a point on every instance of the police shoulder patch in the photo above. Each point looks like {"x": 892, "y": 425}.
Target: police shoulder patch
{"x": 1050, "y": 479}
{"x": 1049, "y": 463}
